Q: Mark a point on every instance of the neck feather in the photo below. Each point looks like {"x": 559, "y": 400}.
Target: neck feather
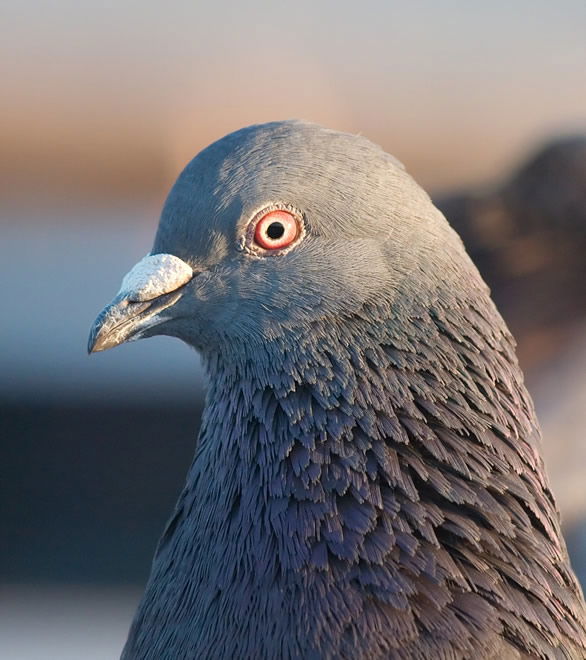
{"x": 347, "y": 458}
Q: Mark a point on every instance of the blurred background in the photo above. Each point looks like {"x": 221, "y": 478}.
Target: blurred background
{"x": 104, "y": 103}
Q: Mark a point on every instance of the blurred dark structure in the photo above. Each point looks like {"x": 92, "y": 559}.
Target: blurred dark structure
{"x": 87, "y": 489}
{"x": 528, "y": 239}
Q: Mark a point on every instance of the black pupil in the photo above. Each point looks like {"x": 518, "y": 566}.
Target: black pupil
{"x": 275, "y": 230}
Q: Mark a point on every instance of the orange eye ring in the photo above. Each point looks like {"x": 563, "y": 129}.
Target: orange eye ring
{"x": 276, "y": 230}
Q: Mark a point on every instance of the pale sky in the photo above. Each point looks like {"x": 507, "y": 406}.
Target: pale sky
{"x": 457, "y": 90}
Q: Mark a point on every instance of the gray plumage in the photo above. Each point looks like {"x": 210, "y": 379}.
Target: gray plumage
{"x": 367, "y": 481}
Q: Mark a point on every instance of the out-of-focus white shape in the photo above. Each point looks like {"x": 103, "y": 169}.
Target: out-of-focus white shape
{"x": 69, "y": 623}
{"x": 155, "y": 275}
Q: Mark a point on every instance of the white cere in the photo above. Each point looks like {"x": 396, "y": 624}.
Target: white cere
{"x": 155, "y": 275}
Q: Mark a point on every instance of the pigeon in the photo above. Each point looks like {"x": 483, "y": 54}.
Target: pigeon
{"x": 367, "y": 481}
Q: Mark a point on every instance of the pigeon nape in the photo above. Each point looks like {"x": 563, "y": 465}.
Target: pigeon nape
{"x": 367, "y": 481}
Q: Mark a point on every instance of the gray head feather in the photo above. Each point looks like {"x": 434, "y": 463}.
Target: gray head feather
{"x": 372, "y": 233}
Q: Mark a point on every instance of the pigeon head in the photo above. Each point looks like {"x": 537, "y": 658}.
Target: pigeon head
{"x": 275, "y": 226}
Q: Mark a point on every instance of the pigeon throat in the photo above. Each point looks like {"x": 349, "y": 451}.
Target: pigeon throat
{"x": 349, "y": 477}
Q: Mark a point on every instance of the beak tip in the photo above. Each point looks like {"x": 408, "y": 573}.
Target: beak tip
{"x": 92, "y": 344}
{"x": 101, "y": 336}
{"x": 99, "y": 339}
{"x": 99, "y": 342}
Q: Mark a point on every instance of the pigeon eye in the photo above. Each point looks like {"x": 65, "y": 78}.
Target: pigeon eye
{"x": 276, "y": 230}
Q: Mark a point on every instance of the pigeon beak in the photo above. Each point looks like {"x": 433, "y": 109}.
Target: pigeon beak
{"x": 124, "y": 320}
{"x": 152, "y": 286}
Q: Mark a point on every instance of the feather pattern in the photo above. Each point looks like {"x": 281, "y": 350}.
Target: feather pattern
{"x": 395, "y": 507}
